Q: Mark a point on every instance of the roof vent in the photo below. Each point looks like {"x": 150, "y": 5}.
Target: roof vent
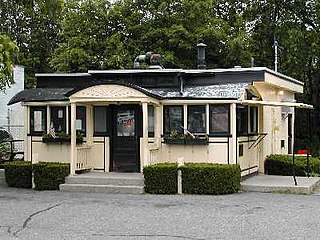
{"x": 201, "y": 56}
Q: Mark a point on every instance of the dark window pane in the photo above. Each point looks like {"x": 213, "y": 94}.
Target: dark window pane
{"x": 197, "y": 119}
{"x": 219, "y": 119}
{"x": 173, "y": 119}
{"x": 100, "y": 120}
{"x": 81, "y": 119}
{"x": 58, "y": 119}
{"x": 150, "y": 121}
{"x": 125, "y": 123}
{"x": 242, "y": 120}
{"x": 253, "y": 119}
{"x": 38, "y": 120}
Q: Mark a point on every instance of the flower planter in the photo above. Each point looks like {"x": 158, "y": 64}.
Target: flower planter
{"x": 196, "y": 141}
{"x": 60, "y": 140}
{"x": 178, "y": 141}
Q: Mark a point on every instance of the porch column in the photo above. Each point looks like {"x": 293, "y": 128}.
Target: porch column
{"x": 233, "y": 125}
{"x": 157, "y": 125}
{"x": 144, "y": 150}
{"x": 145, "y": 119}
{"x": 73, "y": 150}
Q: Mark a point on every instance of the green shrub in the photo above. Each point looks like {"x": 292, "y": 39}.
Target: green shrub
{"x": 208, "y": 178}
{"x": 18, "y": 174}
{"x": 161, "y": 178}
{"x": 278, "y": 164}
{"x": 49, "y": 175}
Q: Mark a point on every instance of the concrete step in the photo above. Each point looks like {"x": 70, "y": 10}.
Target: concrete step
{"x": 93, "y": 188}
{"x": 130, "y": 183}
{"x": 107, "y": 179}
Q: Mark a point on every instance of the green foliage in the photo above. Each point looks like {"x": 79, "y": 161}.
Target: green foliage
{"x": 18, "y": 174}
{"x": 101, "y": 35}
{"x": 282, "y": 165}
{"x": 208, "y": 178}
{"x": 8, "y": 51}
{"x": 161, "y": 178}
{"x": 197, "y": 178}
{"x": 34, "y": 27}
{"x": 49, "y": 175}
{"x": 4, "y": 151}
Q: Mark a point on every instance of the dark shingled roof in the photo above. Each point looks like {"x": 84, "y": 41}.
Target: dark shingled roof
{"x": 40, "y": 95}
{"x": 220, "y": 91}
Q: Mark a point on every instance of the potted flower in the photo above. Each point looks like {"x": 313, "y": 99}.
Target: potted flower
{"x": 174, "y": 138}
{"x": 61, "y": 137}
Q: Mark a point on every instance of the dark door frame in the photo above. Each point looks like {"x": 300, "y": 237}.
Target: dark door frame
{"x": 113, "y": 127}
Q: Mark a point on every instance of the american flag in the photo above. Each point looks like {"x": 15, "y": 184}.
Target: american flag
{"x": 52, "y": 132}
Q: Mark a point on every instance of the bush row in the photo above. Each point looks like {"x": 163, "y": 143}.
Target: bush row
{"x": 278, "y": 164}
{"x": 47, "y": 176}
{"x": 197, "y": 178}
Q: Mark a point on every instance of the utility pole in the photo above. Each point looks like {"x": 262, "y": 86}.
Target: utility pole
{"x": 276, "y": 45}
{"x": 277, "y": 49}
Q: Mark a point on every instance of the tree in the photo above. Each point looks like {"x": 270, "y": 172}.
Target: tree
{"x": 8, "y": 51}
{"x": 34, "y": 26}
{"x": 98, "y": 34}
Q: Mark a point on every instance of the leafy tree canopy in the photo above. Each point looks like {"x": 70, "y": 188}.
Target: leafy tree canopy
{"x": 8, "y": 51}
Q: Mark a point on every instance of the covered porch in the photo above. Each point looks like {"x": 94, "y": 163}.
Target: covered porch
{"x": 122, "y": 125}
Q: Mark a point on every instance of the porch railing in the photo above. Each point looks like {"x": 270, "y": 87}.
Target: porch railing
{"x": 83, "y": 157}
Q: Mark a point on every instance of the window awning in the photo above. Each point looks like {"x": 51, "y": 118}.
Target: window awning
{"x": 276, "y": 104}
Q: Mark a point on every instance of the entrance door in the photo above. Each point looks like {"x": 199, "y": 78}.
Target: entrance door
{"x": 125, "y": 139}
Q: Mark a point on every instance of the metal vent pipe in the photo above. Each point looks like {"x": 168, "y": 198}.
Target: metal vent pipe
{"x": 201, "y": 56}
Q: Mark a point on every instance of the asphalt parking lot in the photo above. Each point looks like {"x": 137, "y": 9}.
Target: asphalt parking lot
{"x": 28, "y": 214}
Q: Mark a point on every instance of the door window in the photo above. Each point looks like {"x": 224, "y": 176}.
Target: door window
{"x": 125, "y": 123}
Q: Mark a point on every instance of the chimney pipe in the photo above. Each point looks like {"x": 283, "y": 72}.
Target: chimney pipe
{"x": 201, "y": 56}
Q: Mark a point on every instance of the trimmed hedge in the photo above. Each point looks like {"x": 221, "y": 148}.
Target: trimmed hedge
{"x": 197, "y": 178}
{"x": 49, "y": 175}
{"x": 278, "y": 164}
{"x": 18, "y": 174}
{"x": 161, "y": 178}
{"x": 208, "y": 178}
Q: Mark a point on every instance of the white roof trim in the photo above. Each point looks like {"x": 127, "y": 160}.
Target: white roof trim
{"x": 276, "y": 104}
{"x": 136, "y": 71}
{"x": 62, "y": 74}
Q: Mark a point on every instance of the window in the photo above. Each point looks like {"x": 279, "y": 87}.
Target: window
{"x": 38, "y": 120}
{"x": 125, "y": 123}
{"x": 100, "y": 120}
{"x": 197, "y": 118}
{"x": 150, "y": 121}
{"x": 173, "y": 119}
{"x": 58, "y": 119}
{"x": 240, "y": 150}
{"x": 219, "y": 119}
{"x": 242, "y": 120}
{"x": 253, "y": 112}
{"x": 81, "y": 119}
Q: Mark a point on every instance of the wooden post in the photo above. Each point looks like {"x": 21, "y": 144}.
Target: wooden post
{"x": 233, "y": 124}
{"x": 144, "y": 148}
{"x": 73, "y": 150}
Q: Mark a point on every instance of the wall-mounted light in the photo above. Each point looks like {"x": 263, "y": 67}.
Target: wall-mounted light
{"x": 281, "y": 92}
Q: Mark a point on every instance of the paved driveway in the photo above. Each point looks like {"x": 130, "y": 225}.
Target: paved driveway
{"x": 27, "y": 214}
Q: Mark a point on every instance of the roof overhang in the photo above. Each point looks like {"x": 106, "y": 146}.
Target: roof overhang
{"x": 276, "y": 104}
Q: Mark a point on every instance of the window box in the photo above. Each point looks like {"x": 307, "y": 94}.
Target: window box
{"x": 196, "y": 141}
{"x": 169, "y": 140}
{"x": 65, "y": 139}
